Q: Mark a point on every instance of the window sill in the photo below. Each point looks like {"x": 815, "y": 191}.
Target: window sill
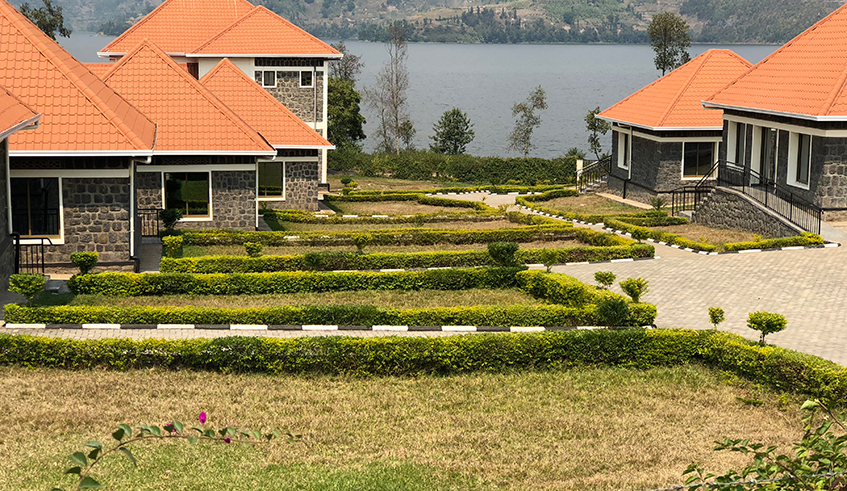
{"x": 798, "y": 185}
{"x": 37, "y": 241}
{"x": 270, "y": 198}
{"x": 196, "y": 219}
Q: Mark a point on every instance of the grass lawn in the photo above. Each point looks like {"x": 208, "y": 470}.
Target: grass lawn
{"x": 457, "y": 224}
{"x": 391, "y": 208}
{"x": 589, "y": 204}
{"x": 714, "y": 236}
{"x": 414, "y": 299}
{"x": 236, "y": 250}
{"x": 390, "y": 184}
{"x": 599, "y": 429}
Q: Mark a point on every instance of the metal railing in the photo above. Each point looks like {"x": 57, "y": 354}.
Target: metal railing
{"x": 29, "y": 257}
{"x": 594, "y": 173}
{"x": 688, "y": 197}
{"x": 149, "y": 221}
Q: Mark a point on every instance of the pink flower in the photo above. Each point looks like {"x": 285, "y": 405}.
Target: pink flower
{"x": 173, "y": 429}
{"x": 202, "y": 418}
{"x": 227, "y": 440}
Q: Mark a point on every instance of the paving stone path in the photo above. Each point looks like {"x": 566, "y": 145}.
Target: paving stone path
{"x": 808, "y": 286}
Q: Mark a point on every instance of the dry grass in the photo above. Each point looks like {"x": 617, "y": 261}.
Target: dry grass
{"x": 601, "y": 429}
{"x": 389, "y": 184}
{"x": 234, "y": 250}
{"x": 420, "y": 299}
{"x": 589, "y": 204}
{"x": 390, "y": 208}
{"x": 715, "y": 236}
{"x": 457, "y": 224}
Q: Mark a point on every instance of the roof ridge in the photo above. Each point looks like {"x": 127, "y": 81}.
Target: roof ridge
{"x": 708, "y": 54}
{"x": 826, "y": 107}
{"x": 37, "y": 37}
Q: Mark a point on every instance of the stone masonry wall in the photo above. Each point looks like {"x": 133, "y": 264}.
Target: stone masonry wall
{"x": 233, "y": 202}
{"x": 301, "y": 187}
{"x": 148, "y": 190}
{"x": 300, "y": 100}
{"x": 726, "y": 208}
{"x": 7, "y": 249}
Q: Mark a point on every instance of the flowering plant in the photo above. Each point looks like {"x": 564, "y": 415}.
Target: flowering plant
{"x": 84, "y": 463}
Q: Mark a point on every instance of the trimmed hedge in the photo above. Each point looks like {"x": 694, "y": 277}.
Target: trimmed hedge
{"x": 415, "y": 196}
{"x": 144, "y": 284}
{"x": 804, "y": 239}
{"x": 297, "y": 216}
{"x": 782, "y": 369}
{"x": 658, "y": 235}
{"x": 495, "y": 189}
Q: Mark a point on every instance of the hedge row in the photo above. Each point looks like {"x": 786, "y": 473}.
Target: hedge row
{"x": 297, "y": 216}
{"x": 407, "y": 236}
{"x": 419, "y": 197}
{"x": 146, "y": 284}
{"x": 782, "y": 369}
{"x": 658, "y": 235}
{"x": 352, "y": 315}
{"x": 804, "y": 239}
{"x": 492, "y": 188}
{"x": 645, "y": 218}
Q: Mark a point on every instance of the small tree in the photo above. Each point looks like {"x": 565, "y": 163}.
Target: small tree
{"x": 670, "y": 40}
{"x": 658, "y": 203}
{"x": 596, "y": 127}
{"x": 28, "y": 285}
{"x": 361, "y": 241}
{"x": 766, "y": 323}
{"x": 549, "y": 258}
{"x": 169, "y": 217}
{"x": 85, "y": 261}
{"x": 716, "y": 316}
{"x": 48, "y": 18}
{"x": 527, "y": 120}
{"x": 503, "y": 253}
{"x": 453, "y": 132}
{"x": 347, "y": 67}
{"x": 604, "y": 279}
{"x": 635, "y": 288}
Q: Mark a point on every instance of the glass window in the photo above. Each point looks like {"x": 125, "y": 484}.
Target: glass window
{"x": 306, "y": 79}
{"x": 272, "y": 179}
{"x": 740, "y": 142}
{"x": 803, "y": 157}
{"x": 269, "y": 79}
{"x": 189, "y": 192}
{"x": 35, "y": 206}
{"x": 623, "y": 150}
{"x": 697, "y": 158}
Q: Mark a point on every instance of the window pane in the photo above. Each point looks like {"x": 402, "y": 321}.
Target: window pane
{"x": 803, "y": 152}
{"x": 305, "y": 79}
{"x": 270, "y": 79}
{"x": 689, "y": 159}
{"x": 188, "y": 192}
{"x": 740, "y": 142}
{"x": 270, "y": 179}
{"x": 704, "y": 158}
{"x": 35, "y": 206}
{"x": 625, "y": 150}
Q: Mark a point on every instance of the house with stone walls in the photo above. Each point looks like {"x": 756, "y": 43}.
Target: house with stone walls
{"x": 662, "y": 137}
{"x": 15, "y": 116}
{"x": 785, "y": 119}
{"x": 288, "y": 62}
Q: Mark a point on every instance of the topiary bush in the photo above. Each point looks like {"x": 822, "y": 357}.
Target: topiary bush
{"x": 254, "y": 249}
{"x": 716, "y": 316}
{"x": 361, "y": 241}
{"x": 28, "y": 285}
{"x": 605, "y": 279}
{"x": 85, "y": 261}
{"x": 170, "y": 217}
{"x": 612, "y": 312}
{"x": 635, "y": 288}
{"x": 503, "y": 253}
{"x": 766, "y": 323}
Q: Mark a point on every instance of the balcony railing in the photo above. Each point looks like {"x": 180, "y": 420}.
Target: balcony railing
{"x": 594, "y": 173}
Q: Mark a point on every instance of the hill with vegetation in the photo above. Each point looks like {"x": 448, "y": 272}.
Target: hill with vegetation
{"x": 518, "y": 21}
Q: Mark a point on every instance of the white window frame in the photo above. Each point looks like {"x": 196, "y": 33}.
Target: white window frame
{"x": 682, "y": 162}
{"x": 312, "y": 73}
{"x": 793, "y": 160}
{"x": 276, "y": 79}
{"x": 284, "y": 182}
{"x": 191, "y": 218}
{"x": 732, "y": 143}
{"x": 36, "y": 239}
{"x": 624, "y": 149}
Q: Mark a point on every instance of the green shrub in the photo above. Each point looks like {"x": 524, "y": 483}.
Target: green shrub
{"x": 635, "y": 288}
{"x": 555, "y": 287}
{"x": 361, "y": 241}
{"x": 657, "y": 235}
{"x": 658, "y": 203}
{"x": 604, "y": 279}
{"x": 613, "y": 312}
{"x": 345, "y": 181}
{"x": 549, "y": 258}
{"x": 173, "y": 245}
{"x": 716, "y": 316}
{"x": 28, "y": 285}
{"x": 805, "y": 239}
{"x": 254, "y": 249}
{"x": 766, "y": 323}
{"x": 503, "y": 253}
{"x": 170, "y": 217}
{"x": 640, "y": 234}
{"x": 85, "y": 261}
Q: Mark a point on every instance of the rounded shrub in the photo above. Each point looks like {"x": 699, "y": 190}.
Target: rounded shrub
{"x": 85, "y": 261}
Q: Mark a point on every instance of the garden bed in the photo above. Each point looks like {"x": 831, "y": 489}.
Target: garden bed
{"x": 361, "y": 227}
{"x": 590, "y": 204}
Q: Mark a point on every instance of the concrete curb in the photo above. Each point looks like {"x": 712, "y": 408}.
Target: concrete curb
{"x": 301, "y": 327}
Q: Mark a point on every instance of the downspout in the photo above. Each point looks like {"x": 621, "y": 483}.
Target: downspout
{"x": 132, "y": 198}
{"x": 315, "y": 98}
{"x": 8, "y": 184}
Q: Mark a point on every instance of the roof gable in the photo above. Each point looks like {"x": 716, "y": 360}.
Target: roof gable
{"x": 262, "y": 32}
{"x": 177, "y": 26}
{"x": 190, "y": 119}
{"x": 260, "y": 109}
{"x": 674, "y": 101}
{"x": 805, "y": 77}
{"x": 79, "y": 112}
{"x": 14, "y": 114}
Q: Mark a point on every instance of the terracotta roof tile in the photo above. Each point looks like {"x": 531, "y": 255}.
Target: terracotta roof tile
{"x": 15, "y": 114}
{"x": 79, "y": 112}
{"x": 262, "y": 32}
{"x": 177, "y": 26}
{"x": 260, "y": 109}
{"x": 189, "y": 117}
{"x": 805, "y": 77}
{"x": 674, "y": 101}
{"x": 99, "y": 69}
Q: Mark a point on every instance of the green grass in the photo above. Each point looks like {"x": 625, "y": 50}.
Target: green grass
{"x": 589, "y": 204}
{"x": 391, "y": 184}
{"x": 600, "y": 429}
{"x": 457, "y": 224}
{"x": 390, "y": 208}
{"x": 709, "y": 235}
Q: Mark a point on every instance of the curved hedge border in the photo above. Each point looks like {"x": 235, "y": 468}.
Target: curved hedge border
{"x": 412, "y": 196}
{"x": 146, "y": 284}
{"x": 779, "y": 368}
{"x": 658, "y": 235}
{"x": 494, "y": 189}
{"x": 297, "y": 216}
{"x": 805, "y": 239}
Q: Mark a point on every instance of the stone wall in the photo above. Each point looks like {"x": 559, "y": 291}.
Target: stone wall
{"x": 7, "y": 248}
{"x": 301, "y": 187}
{"x": 300, "y": 100}
{"x": 726, "y": 208}
{"x": 148, "y": 190}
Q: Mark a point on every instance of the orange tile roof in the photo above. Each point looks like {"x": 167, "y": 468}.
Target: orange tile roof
{"x": 99, "y": 69}
{"x": 262, "y": 32}
{"x": 190, "y": 119}
{"x": 79, "y": 112}
{"x": 674, "y": 101}
{"x": 259, "y": 109}
{"x": 14, "y": 114}
{"x": 807, "y": 77}
{"x": 177, "y": 26}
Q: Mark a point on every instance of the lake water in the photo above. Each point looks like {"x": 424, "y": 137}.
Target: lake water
{"x": 485, "y": 80}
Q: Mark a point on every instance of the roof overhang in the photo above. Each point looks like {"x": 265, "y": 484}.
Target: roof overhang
{"x": 29, "y": 124}
{"x": 662, "y": 128}
{"x": 771, "y": 112}
{"x": 80, "y": 153}
{"x": 304, "y": 147}
{"x": 109, "y": 54}
{"x": 264, "y": 55}
{"x": 183, "y": 153}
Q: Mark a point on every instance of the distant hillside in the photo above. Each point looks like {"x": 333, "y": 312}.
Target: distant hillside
{"x": 520, "y": 21}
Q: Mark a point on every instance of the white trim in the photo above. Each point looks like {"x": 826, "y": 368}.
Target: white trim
{"x": 314, "y": 76}
{"x": 793, "y": 150}
{"x": 132, "y": 199}
{"x": 291, "y": 159}
{"x": 756, "y": 150}
{"x": 662, "y": 128}
{"x": 287, "y": 68}
{"x": 624, "y": 140}
{"x": 203, "y": 153}
{"x": 788, "y": 127}
{"x": 60, "y": 240}
{"x": 305, "y": 147}
{"x": 272, "y": 198}
{"x": 807, "y": 117}
{"x": 711, "y": 164}
{"x": 260, "y": 69}
{"x": 732, "y": 141}
{"x": 82, "y": 153}
{"x": 71, "y": 173}
{"x": 29, "y": 124}
{"x": 242, "y": 55}
{"x": 190, "y": 218}
{"x": 196, "y": 167}
{"x": 677, "y": 139}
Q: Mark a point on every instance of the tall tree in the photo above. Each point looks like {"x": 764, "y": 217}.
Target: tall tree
{"x": 48, "y": 18}
{"x": 527, "y": 120}
{"x": 388, "y": 96}
{"x": 348, "y": 67}
{"x": 343, "y": 111}
{"x": 596, "y": 127}
{"x": 670, "y": 40}
{"x": 453, "y": 132}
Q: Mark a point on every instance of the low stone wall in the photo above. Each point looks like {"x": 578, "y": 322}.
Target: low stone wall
{"x": 726, "y": 208}
{"x": 633, "y": 191}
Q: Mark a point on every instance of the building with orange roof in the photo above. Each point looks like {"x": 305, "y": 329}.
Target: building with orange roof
{"x": 662, "y": 137}
{"x": 288, "y": 62}
{"x": 290, "y": 179}
{"x": 785, "y": 119}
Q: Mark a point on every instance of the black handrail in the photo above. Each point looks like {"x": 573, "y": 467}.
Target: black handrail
{"x": 594, "y": 173}
{"x": 29, "y": 258}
